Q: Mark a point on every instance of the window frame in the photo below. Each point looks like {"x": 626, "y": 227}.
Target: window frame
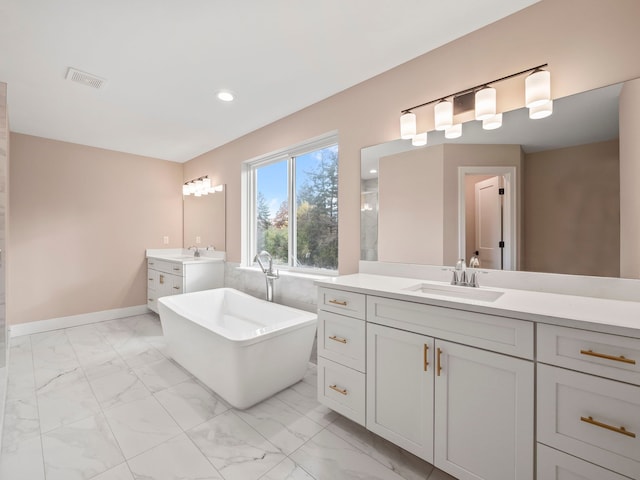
{"x": 249, "y": 204}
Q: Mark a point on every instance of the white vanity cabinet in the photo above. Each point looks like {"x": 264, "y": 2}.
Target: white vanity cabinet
{"x": 167, "y": 277}
{"x": 341, "y": 352}
{"x": 455, "y": 388}
{"x": 467, "y": 410}
{"x": 588, "y": 402}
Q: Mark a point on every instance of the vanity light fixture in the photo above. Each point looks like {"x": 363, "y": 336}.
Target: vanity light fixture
{"x": 537, "y": 96}
{"x": 200, "y": 186}
{"x": 443, "y": 112}
{"x": 407, "y": 125}
{"x": 541, "y": 111}
{"x": 454, "y": 131}
{"x": 419, "y": 140}
{"x": 493, "y": 122}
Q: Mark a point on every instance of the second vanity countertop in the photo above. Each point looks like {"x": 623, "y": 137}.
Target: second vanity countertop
{"x": 598, "y": 314}
{"x": 185, "y": 256}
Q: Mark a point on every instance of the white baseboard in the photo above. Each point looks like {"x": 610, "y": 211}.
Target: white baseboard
{"x": 39, "y": 326}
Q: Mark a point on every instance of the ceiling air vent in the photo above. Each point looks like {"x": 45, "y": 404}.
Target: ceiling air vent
{"x": 85, "y": 78}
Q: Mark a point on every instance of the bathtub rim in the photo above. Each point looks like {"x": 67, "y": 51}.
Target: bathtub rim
{"x": 173, "y": 304}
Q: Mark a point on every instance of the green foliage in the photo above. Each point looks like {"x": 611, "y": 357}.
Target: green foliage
{"x": 316, "y": 219}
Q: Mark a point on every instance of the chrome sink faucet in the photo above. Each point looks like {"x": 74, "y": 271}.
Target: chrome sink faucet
{"x": 270, "y": 275}
{"x": 196, "y": 253}
{"x": 464, "y": 277}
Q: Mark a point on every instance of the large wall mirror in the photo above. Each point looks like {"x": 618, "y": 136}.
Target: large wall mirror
{"x": 205, "y": 220}
{"x": 536, "y": 195}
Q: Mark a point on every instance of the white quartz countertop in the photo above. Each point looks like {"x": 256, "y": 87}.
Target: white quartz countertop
{"x": 603, "y": 315}
{"x": 185, "y": 256}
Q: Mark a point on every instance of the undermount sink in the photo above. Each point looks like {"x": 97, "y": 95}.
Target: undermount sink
{"x": 457, "y": 291}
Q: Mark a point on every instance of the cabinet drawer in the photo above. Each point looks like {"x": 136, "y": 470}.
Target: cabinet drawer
{"x": 342, "y": 339}
{"x": 344, "y": 303}
{"x": 152, "y": 300}
{"x": 590, "y": 417}
{"x": 342, "y": 389}
{"x": 499, "y": 334}
{"x": 555, "y": 465}
{"x": 175, "y": 268}
{"x": 610, "y": 356}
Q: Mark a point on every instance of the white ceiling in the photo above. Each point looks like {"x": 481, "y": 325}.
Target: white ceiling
{"x": 164, "y": 60}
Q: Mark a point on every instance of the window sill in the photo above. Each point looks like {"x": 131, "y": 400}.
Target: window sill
{"x": 296, "y": 273}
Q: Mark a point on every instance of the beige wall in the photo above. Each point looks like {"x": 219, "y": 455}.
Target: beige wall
{"x": 587, "y": 43}
{"x": 81, "y": 219}
{"x": 410, "y": 219}
{"x": 630, "y": 180}
{"x": 572, "y": 210}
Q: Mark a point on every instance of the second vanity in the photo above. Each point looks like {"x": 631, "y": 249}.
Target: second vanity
{"x": 176, "y": 271}
{"x": 486, "y": 383}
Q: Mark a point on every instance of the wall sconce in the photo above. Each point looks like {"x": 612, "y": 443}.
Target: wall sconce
{"x": 537, "y": 99}
{"x": 200, "y": 186}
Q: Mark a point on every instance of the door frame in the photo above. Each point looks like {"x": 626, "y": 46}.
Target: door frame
{"x": 510, "y": 212}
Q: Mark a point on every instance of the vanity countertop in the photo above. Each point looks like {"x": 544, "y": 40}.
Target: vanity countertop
{"x": 185, "y": 256}
{"x": 603, "y": 315}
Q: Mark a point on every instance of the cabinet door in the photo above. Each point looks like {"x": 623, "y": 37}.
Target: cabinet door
{"x": 400, "y": 388}
{"x": 484, "y": 414}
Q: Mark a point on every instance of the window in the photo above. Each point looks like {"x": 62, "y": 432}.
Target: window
{"x": 293, "y": 206}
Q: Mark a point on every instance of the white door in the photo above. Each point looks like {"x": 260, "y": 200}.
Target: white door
{"x": 400, "y": 388}
{"x": 484, "y": 414}
{"x": 489, "y": 223}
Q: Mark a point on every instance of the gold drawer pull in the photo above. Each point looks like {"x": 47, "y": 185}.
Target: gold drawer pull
{"x": 151, "y": 279}
{"x": 176, "y": 268}
{"x": 342, "y": 303}
{"x": 621, "y": 358}
{"x": 425, "y": 362}
{"x": 338, "y": 389}
{"x": 150, "y": 299}
{"x": 621, "y": 430}
{"x": 439, "y": 363}
{"x": 176, "y": 288}
{"x": 338, "y": 339}
{"x": 161, "y": 279}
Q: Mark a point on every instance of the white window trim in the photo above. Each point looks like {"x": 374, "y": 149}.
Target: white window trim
{"x": 247, "y": 242}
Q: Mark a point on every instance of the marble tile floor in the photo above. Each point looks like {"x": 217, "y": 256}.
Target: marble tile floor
{"x": 104, "y": 402}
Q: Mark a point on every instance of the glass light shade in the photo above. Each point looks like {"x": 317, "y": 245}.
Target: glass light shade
{"x": 485, "y": 103}
{"x": 192, "y": 187}
{"x": 541, "y": 111}
{"x": 537, "y": 88}
{"x": 443, "y": 112}
{"x": 407, "y": 125}
{"x": 419, "y": 140}
{"x": 454, "y": 131}
{"x": 492, "y": 123}
{"x": 185, "y": 189}
{"x": 206, "y": 183}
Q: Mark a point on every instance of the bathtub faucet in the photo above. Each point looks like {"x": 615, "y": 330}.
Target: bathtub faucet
{"x": 269, "y": 274}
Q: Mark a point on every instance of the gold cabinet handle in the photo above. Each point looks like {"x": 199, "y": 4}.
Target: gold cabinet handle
{"x": 150, "y": 299}
{"x": 620, "y": 430}
{"x": 176, "y": 288}
{"x": 161, "y": 279}
{"x": 338, "y": 339}
{"x": 425, "y": 361}
{"x": 151, "y": 263}
{"x": 151, "y": 279}
{"x": 176, "y": 268}
{"x": 439, "y": 364}
{"x": 342, "y": 303}
{"x": 621, "y": 358}
{"x": 338, "y": 389}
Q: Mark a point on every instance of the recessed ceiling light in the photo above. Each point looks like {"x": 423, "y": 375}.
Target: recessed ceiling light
{"x": 225, "y": 96}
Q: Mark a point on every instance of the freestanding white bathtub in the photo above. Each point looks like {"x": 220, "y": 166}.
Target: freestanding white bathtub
{"x": 243, "y": 348}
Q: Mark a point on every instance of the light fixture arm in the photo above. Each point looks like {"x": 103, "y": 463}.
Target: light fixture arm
{"x": 473, "y": 89}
